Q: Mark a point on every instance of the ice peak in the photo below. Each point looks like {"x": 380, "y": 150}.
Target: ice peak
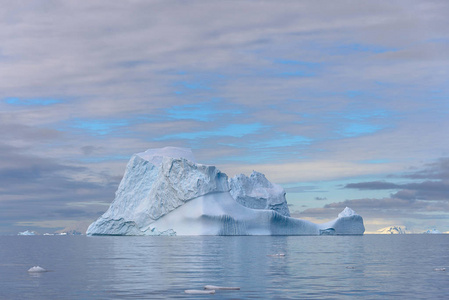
{"x": 347, "y": 212}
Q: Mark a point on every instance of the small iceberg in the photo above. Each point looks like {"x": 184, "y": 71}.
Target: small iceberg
{"x": 440, "y": 269}
{"x": 214, "y": 287}
{"x": 433, "y": 231}
{"x": 36, "y": 269}
{"x": 27, "y": 232}
{"x": 199, "y": 291}
{"x": 277, "y": 255}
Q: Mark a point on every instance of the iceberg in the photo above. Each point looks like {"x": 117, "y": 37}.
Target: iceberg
{"x": 27, "y": 232}
{"x": 36, "y": 269}
{"x": 165, "y": 192}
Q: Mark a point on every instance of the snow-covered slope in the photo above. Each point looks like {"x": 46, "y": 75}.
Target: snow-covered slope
{"x": 395, "y": 229}
{"x": 165, "y": 192}
{"x": 257, "y": 192}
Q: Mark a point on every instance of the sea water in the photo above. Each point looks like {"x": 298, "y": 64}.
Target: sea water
{"x": 264, "y": 267}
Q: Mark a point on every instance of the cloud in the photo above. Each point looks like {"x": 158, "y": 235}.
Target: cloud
{"x": 373, "y": 185}
{"x": 434, "y": 170}
{"x": 231, "y": 130}
{"x": 36, "y": 188}
{"x": 436, "y": 189}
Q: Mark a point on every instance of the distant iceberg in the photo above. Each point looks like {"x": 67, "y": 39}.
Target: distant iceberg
{"x": 395, "y": 229}
{"x": 432, "y": 231}
{"x": 36, "y": 269}
{"x": 165, "y": 192}
{"x": 27, "y": 232}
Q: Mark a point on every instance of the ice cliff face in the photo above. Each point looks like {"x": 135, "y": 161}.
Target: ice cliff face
{"x": 257, "y": 192}
{"x": 164, "y": 192}
{"x": 155, "y": 184}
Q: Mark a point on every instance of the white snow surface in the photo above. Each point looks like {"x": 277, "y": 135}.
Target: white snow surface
{"x": 257, "y": 192}
{"x": 164, "y": 192}
{"x": 395, "y": 229}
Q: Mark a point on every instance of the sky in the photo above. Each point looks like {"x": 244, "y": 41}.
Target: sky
{"x": 343, "y": 103}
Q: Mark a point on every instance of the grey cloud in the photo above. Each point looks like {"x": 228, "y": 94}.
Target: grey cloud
{"x": 19, "y": 132}
{"x": 373, "y": 185}
{"x": 36, "y": 188}
{"x": 436, "y": 189}
{"x": 428, "y": 190}
{"x": 427, "y": 199}
{"x": 88, "y": 150}
{"x": 435, "y": 170}
{"x": 383, "y": 208}
{"x": 302, "y": 189}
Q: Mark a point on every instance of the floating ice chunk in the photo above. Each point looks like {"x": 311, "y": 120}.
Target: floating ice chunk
{"x": 214, "y": 287}
{"x": 36, "y": 269}
{"x": 433, "y": 231}
{"x": 199, "y": 291}
{"x": 440, "y": 269}
{"x": 27, "y": 232}
{"x": 277, "y": 255}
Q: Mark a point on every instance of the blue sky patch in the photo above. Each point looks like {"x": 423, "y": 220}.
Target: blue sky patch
{"x": 283, "y": 140}
{"x": 358, "y": 129}
{"x": 193, "y": 85}
{"x": 291, "y": 62}
{"x": 204, "y": 112}
{"x": 344, "y": 49}
{"x": 296, "y": 68}
{"x": 364, "y": 115}
{"x": 231, "y": 130}
{"x": 297, "y": 74}
{"x": 99, "y": 127}
{"x": 377, "y": 161}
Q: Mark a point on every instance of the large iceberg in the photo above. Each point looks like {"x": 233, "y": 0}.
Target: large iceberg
{"x": 165, "y": 192}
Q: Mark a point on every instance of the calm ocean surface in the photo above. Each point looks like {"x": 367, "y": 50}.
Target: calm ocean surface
{"x": 314, "y": 267}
